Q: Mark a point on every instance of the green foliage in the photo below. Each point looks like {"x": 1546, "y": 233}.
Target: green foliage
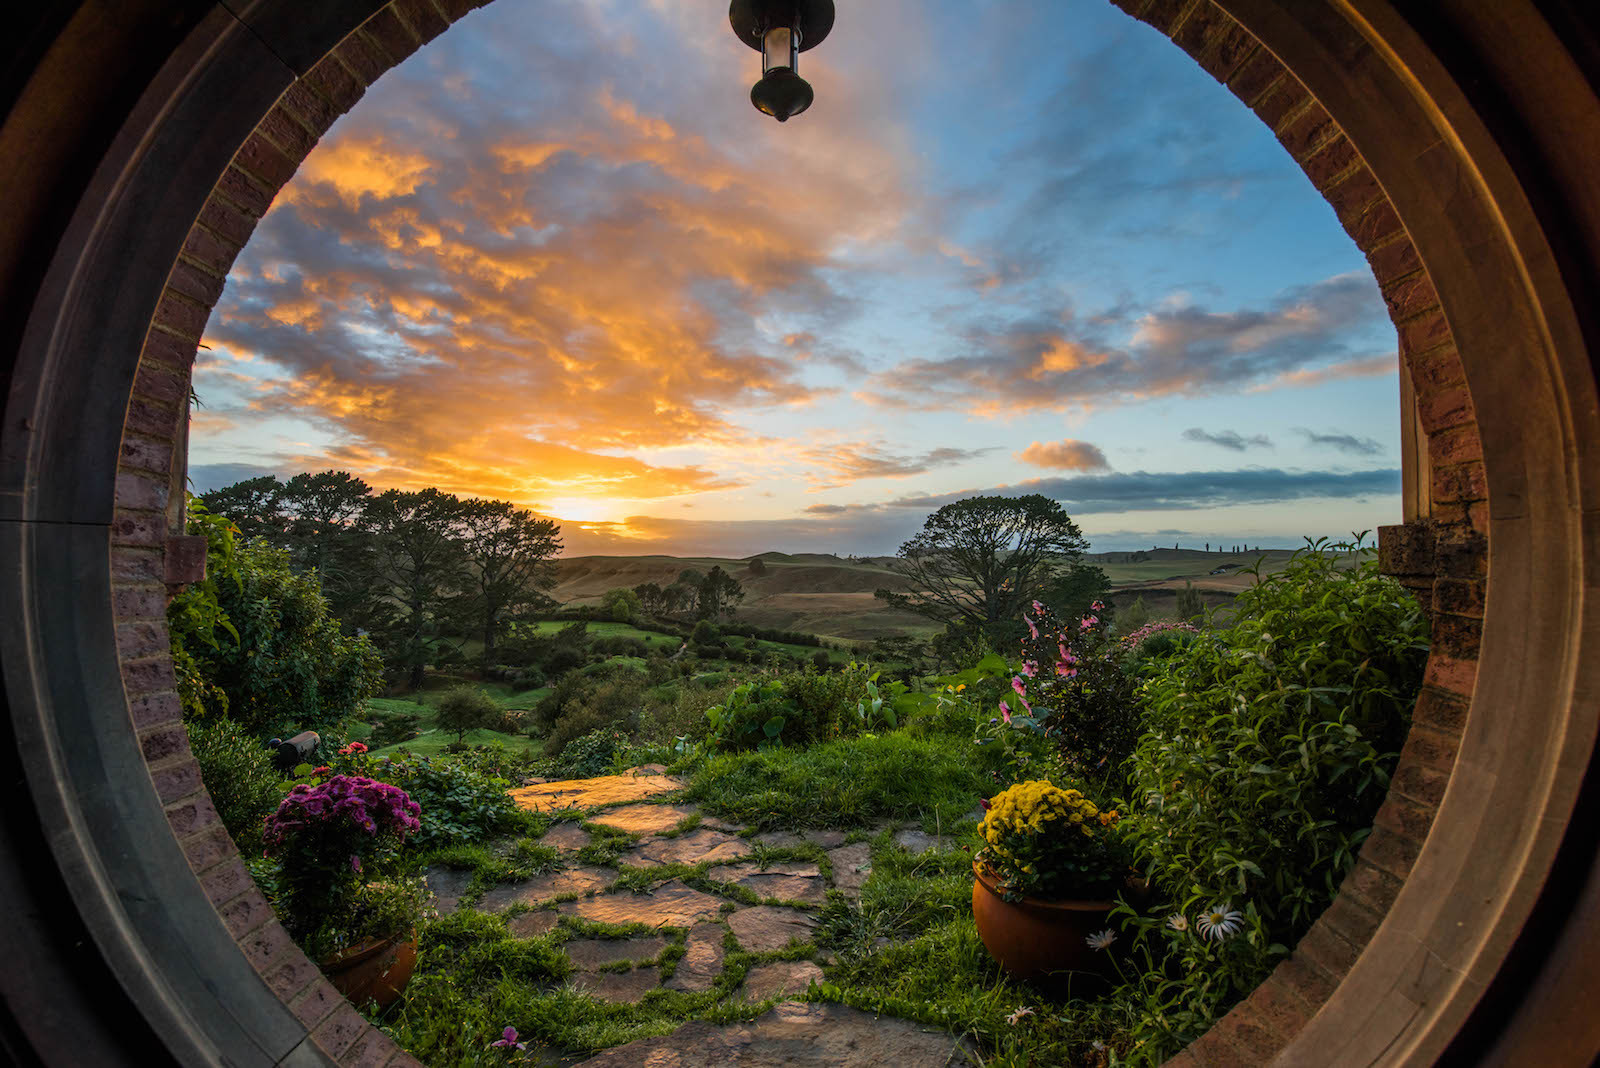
{"x": 1082, "y": 696}
{"x": 460, "y": 804}
{"x": 591, "y": 754}
{"x": 599, "y": 704}
{"x": 1190, "y": 606}
{"x": 621, "y": 604}
{"x": 844, "y": 783}
{"x": 1268, "y": 751}
{"x": 1133, "y": 617}
{"x": 465, "y": 708}
{"x": 1052, "y": 842}
{"x": 239, "y": 774}
{"x": 195, "y": 617}
{"x": 284, "y": 663}
{"x": 794, "y": 709}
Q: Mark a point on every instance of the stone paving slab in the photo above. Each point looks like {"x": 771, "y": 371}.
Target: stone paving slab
{"x": 780, "y": 977}
{"x": 852, "y": 864}
{"x": 701, "y": 962}
{"x": 920, "y": 842}
{"x": 791, "y": 839}
{"x": 587, "y": 954}
{"x": 566, "y": 837}
{"x": 645, "y": 819}
{"x": 787, "y": 880}
{"x": 696, "y": 847}
{"x": 447, "y": 887}
{"x": 637, "y": 784}
{"x": 532, "y": 924}
{"x": 764, "y": 928}
{"x": 796, "y": 1035}
{"x": 672, "y": 904}
{"x": 618, "y": 987}
{"x": 545, "y": 887}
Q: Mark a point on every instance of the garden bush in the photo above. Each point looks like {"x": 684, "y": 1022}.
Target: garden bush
{"x": 1269, "y": 748}
{"x": 238, "y": 772}
{"x": 255, "y": 640}
{"x": 611, "y": 703}
{"x": 794, "y": 709}
{"x": 467, "y": 708}
{"x": 460, "y": 803}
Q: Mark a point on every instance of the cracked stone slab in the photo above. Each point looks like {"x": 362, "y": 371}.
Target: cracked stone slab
{"x": 764, "y": 928}
{"x": 919, "y": 842}
{"x": 791, "y": 839}
{"x": 645, "y": 819}
{"x": 587, "y": 954}
{"x": 447, "y": 887}
{"x": 852, "y": 864}
{"x": 780, "y": 977}
{"x": 696, "y": 847}
{"x": 619, "y": 988}
{"x": 545, "y": 887}
{"x": 532, "y": 924}
{"x": 701, "y": 962}
{"x": 591, "y": 793}
{"x": 672, "y": 904}
{"x": 795, "y": 1035}
{"x": 788, "y": 880}
{"x": 566, "y": 838}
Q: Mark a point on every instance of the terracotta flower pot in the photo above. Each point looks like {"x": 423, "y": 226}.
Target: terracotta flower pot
{"x": 1037, "y": 940}
{"x": 373, "y": 969}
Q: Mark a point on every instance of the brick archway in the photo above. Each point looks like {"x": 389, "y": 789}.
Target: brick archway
{"x": 1449, "y": 217}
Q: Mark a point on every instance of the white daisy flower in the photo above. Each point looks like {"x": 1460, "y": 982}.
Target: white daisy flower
{"x": 1220, "y": 922}
{"x": 1178, "y": 921}
{"x": 1101, "y": 940}
{"x": 1019, "y": 1014}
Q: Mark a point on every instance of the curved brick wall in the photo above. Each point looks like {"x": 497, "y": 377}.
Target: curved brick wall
{"x": 1454, "y": 545}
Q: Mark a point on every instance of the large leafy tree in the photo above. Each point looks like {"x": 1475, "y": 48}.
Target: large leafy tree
{"x": 255, "y": 506}
{"x": 717, "y": 594}
{"x": 416, "y": 552}
{"x": 981, "y": 560}
{"x": 510, "y": 557}
{"x": 323, "y": 534}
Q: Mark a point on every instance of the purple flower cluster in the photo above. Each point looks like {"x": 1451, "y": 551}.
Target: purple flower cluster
{"x": 1151, "y": 629}
{"x": 343, "y": 800}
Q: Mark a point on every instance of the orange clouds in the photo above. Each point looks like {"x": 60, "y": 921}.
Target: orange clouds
{"x": 358, "y": 168}
{"x": 1065, "y": 455}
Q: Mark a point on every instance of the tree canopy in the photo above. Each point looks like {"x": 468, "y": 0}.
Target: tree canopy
{"x": 981, "y": 560}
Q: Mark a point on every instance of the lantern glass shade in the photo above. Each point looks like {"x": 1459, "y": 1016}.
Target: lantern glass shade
{"x": 780, "y": 48}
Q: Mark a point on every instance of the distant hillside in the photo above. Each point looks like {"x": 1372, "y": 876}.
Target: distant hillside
{"x": 810, "y": 592}
{"x": 832, "y": 597}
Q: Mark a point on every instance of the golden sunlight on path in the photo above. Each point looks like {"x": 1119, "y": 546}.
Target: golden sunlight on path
{"x": 719, "y": 887}
{"x": 635, "y": 784}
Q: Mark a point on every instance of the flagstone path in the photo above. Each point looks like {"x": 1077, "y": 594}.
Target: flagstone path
{"x": 731, "y": 870}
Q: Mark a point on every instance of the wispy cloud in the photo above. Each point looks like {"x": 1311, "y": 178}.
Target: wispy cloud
{"x": 1342, "y": 442}
{"x": 1176, "y": 349}
{"x": 839, "y": 465}
{"x": 1228, "y": 439}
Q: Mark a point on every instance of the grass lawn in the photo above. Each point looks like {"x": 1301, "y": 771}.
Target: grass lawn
{"x": 432, "y": 740}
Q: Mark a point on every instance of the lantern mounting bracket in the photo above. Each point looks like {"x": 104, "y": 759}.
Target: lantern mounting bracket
{"x": 751, "y": 18}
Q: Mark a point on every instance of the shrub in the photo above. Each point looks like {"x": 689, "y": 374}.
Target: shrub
{"x": 590, "y": 754}
{"x": 289, "y": 668}
{"x": 460, "y": 804}
{"x": 1078, "y": 692}
{"x": 238, "y": 772}
{"x": 611, "y": 703}
{"x": 795, "y": 709}
{"x": 1269, "y": 749}
{"x": 821, "y": 661}
{"x": 705, "y": 633}
{"x": 467, "y": 708}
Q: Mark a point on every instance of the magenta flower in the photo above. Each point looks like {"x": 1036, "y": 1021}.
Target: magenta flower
{"x": 1033, "y": 630}
{"x": 1016, "y": 684}
{"x": 355, "y": 863}
{"x": 1005, "y": 710}
{"x": 1065, "y": 670}
{"x": 1088, "y": 622}
{"x": 508, "y": 1040}
{"x": 1038, "y": 609}
{"x": 1030, "y": 669}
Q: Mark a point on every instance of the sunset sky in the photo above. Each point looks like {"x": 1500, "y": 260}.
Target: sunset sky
{"x": 557, "y": 258}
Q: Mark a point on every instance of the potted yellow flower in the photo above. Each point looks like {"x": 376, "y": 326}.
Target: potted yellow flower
{"x": 1051, "y": 862}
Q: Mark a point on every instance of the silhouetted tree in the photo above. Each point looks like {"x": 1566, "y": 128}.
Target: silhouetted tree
{"x": 509, "y": 554}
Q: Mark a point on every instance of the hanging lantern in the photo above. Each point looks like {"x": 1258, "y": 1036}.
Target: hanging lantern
{"x": 780, "y": 30}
